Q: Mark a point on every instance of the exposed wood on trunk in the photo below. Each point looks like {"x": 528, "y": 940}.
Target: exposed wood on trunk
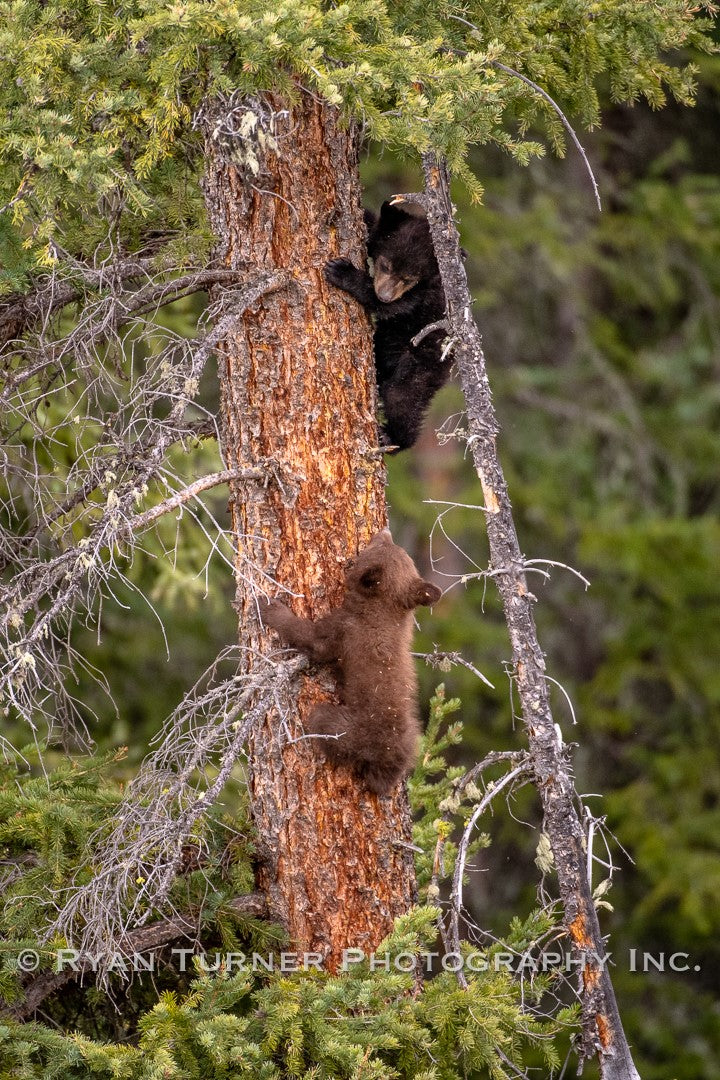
{"x": 298, "y": 397}
{"x": 602, "y": 1028}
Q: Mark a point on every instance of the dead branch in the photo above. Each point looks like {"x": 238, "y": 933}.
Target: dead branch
{"x": 445, "y": 660}
{"x": 51, "y": 586}
{"x": 563, "y": 118}
{"x": 185, "y": 926}
{"x": 101, "y": 319}
{"x": 602, "y": 1028}
{"x": 441, "y": 324}
{"x": 550, "y": 101}
{"x": 19, "y": 312}
{"x": 521, "y": 771}
{"x": 196, "y": 751}
{"x": 141, "y": 521}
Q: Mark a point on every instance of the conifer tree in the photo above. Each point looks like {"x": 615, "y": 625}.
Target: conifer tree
{"x": 150, "y": 151}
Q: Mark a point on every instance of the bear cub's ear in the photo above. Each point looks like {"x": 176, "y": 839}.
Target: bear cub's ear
{"x": 370, "y": 219}
{"x": 423, "y": 593}
{"x": 372, "y": 577}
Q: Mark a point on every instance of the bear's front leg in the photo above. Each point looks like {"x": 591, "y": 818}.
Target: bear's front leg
{"x": 294, "y": 631}
{"x": 311, "y": 638}
{"x": 358, "y": 283}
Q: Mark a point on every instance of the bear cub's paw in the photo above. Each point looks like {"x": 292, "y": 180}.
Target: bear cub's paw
{"x": 341, "y": 272}
{"x": 271, "y": 611}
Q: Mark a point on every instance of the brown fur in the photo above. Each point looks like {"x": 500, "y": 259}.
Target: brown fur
{"x": 368, "y": 640}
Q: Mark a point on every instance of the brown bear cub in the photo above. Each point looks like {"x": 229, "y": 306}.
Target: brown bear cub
{"x": 368, "y": 641}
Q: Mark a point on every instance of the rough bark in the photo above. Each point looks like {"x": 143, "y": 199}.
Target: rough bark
{"x": 298, "y": 397}
{"x": 602, "y": 1028}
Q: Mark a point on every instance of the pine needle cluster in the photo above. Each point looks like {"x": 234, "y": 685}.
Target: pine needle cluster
{"x": 380, "y": 1018}
{"x": 97, "y": 101}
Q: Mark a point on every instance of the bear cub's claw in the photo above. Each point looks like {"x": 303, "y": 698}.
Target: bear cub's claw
{"x": 338, "y": 271}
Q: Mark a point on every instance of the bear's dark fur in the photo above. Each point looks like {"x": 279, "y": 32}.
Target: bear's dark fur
{"x": 368, "y": 640}
{"x": 405, "y": 295}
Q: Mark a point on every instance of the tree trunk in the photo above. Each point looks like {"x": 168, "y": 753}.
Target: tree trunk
{"x": 298, "y": 400}
{"x": 602, "y": 1028}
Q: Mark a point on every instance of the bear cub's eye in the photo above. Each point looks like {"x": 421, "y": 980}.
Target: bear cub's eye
{"x": 371, "y": 578}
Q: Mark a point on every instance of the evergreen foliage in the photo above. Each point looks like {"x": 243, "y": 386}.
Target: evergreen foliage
{"x": 601, "y": 335}
{"x": 53, "y": 823}
{"x": 431, "y": 785}
{"x": 98, "y": 153}
{"x": 98, "y": 100}
{"x": 358, "y": 1025}
{"x": 372, "y": 1020}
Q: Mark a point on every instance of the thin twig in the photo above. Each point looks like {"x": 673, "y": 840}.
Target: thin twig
{"x": 439, "y": 659}
{"x": 141, "y": 521}
{"x": 553, "y": 104}
{"x": 456, "y": 893}
{"x": 441, "y": 324}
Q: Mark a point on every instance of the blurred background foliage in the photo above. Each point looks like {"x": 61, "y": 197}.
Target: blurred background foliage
{"x": 602, "y": 336}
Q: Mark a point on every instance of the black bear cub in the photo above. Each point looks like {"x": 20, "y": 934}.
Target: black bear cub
{"x": 405, "y": 295}
{"x": 368, "y": 640}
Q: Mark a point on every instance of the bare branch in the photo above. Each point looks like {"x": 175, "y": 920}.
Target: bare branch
{"x": 445, "y": 660}
{"x": 19, "y": 312}
{"x": 602, "y": 1028}
{"x": 565, "y": 122}
{"x": 465, "y": 788}
{"x": 520, "y": 771}
{"x": 141, "y": 521}
{"x": 196, "y": 752}
{"x": 107, "y": 315}
{"x": 441, "y": 324}
{"x": 531, "y": 564}
{"x": 40, "y": 602}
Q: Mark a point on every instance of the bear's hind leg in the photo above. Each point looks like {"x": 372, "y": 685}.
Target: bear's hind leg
{"x": 404, "y": 414}
{"x": 335, "y": 722}
{"x": 382, "y": 778}
{"x": 340, "y": 748}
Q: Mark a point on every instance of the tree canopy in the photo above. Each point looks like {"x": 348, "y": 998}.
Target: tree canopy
{"x": 98, "y": 101}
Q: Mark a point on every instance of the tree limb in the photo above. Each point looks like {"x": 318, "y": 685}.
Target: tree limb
{"x": 602, "y": 1028}
{"x": 551, "y": 102}
{"x": 186, "y": 925}
{"x": 141, "y": 521}
{"x": 18, "y": 312}
{"x": 100, "y": 320}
